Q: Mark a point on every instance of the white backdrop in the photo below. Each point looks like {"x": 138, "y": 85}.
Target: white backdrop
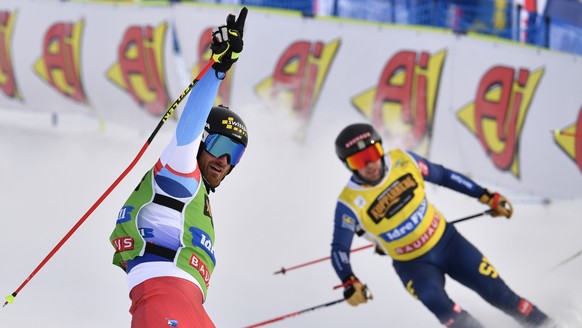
{"x": 343, "y": 60}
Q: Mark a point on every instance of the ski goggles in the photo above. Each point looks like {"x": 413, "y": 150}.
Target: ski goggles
{"x": 359, "y": 160}
{"x": 218, "y": 145}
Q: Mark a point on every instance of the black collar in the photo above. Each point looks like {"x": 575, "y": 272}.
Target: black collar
{"x": 208, "y": 186}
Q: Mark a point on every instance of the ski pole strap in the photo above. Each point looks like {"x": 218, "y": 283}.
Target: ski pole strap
{"x": 168, "y": 202}
{"x": 495, "y": 201}
{"x": 345, "y": 284}
{"x": 160, "y": 251}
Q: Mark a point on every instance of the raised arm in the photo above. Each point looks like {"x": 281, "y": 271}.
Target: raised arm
{"x": 176, "y": 172}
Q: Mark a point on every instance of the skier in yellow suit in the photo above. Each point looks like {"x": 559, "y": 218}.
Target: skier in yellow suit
{"x": 385, "y": 199}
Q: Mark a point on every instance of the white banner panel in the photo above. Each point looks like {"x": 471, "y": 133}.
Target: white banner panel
{"x": 484, "y": 107}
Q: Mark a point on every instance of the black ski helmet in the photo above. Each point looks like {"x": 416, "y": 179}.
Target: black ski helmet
{"x": 354, "y": 138}
{"x": 222, "y": 120}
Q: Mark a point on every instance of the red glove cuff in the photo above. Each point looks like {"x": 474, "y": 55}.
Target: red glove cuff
{"x": 495, "y": 202}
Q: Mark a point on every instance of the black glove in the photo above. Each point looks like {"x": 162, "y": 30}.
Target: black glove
{"x": 354, "y": 292}
{"x": 227, "y": 41}
{"x": 498, "y": 203}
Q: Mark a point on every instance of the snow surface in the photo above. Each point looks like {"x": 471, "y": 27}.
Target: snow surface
{"x": 274, "y": 210}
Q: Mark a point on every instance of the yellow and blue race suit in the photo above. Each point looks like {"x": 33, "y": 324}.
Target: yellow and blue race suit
{"x": 398, "y": 217}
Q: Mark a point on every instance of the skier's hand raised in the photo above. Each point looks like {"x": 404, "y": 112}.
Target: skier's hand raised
{"x": 227, "y": 41}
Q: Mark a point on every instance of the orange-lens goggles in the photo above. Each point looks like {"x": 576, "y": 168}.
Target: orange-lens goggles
{"x": 359, "y": 160}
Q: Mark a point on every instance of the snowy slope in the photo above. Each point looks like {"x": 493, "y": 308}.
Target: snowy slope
{"x": 274, "y": 210}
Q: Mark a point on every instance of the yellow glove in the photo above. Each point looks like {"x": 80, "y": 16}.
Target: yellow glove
{"x": 498, "y": 203}
{"x": 354, "y": 292}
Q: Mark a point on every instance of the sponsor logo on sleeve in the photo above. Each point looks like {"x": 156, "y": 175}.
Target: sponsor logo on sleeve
{"x": 461, "y": 180}
{"x": 525, "y": 307}
{"x": 423, "y": 168}
{"x": 348, "y": 223}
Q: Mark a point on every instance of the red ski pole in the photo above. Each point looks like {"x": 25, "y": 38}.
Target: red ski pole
{"x": 169, "y": 112}
{"x": 284, "y": 270}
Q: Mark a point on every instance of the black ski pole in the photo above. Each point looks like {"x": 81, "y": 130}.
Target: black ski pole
{"x": 295, "y": 313}
{"x": 366, "y": 291}
{"x": 488, "y": 212}
{"x": 565, "y": 261}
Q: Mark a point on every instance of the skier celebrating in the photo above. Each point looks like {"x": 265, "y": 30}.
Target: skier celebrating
{"x": 385, "y": 200}
{"x": 164, "y": 234}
